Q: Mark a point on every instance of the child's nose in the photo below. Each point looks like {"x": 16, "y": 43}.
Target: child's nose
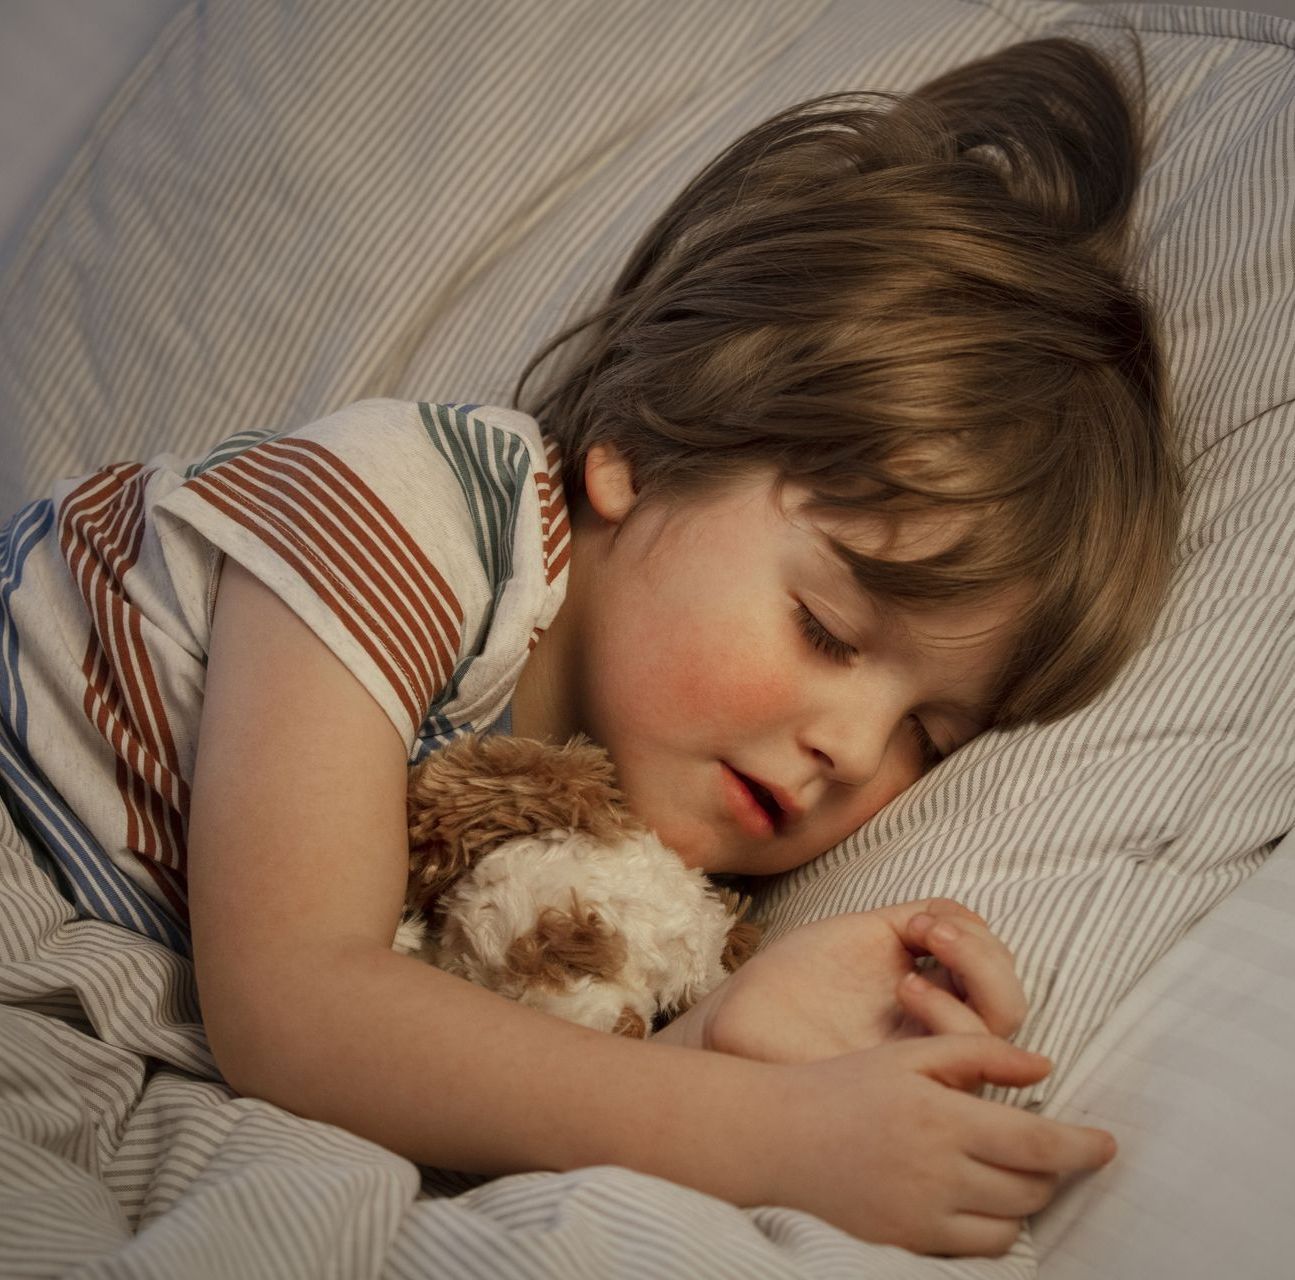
{"x": 852, "y": 742}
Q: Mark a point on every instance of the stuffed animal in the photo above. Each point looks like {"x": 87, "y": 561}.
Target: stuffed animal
{"x": 528, "y": 875}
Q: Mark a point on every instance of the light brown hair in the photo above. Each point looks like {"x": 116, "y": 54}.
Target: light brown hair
{"x": 909, "y": 302}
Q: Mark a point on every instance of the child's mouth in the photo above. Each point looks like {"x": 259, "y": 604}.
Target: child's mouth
{"x": 766, "y": 801}
{"x": 762, "y": 798}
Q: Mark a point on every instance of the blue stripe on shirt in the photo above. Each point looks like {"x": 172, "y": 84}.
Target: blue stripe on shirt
{"x": 71, "y": 855}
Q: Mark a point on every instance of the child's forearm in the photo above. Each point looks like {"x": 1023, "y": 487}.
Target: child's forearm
{"x": 448, "y": 1074}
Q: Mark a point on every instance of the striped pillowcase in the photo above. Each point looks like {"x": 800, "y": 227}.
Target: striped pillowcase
{"x": 279, "y": 215}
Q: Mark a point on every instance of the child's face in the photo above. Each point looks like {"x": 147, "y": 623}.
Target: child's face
{"x": 688, "y": 660}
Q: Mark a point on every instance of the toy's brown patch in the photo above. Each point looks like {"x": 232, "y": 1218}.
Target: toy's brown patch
{"x": 470, "y": 796}
{"x": 743, "y": 935}
{"x": 567, "y": 944}
{"x": 739, "y": 947}
{"x": 630, "y": 1024}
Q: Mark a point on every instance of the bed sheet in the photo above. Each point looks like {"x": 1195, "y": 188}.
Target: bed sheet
{"x": 123, "y": 1152}
{"x": 1193, "y": 1075}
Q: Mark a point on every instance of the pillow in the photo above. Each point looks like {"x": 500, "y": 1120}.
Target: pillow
{"x": 381, "y": 204}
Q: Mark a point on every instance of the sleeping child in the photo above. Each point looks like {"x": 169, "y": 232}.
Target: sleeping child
{"x": 865, "y": 453}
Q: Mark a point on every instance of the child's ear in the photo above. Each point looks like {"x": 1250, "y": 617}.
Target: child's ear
{"x": 609, "y": 482}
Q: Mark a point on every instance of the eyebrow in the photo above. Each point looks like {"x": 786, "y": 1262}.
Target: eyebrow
{"x": 980, "y": 714}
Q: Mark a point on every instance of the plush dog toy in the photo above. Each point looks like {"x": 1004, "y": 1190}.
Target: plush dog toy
{"x": 529, "y": 876}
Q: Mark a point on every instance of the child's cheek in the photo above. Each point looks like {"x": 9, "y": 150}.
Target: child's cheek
{"x": 725, "y": 684}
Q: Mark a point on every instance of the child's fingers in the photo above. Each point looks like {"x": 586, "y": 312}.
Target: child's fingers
{"x": 981, "y": 966}
{"x": 1010, "y": 1138}
{"x": 938, "y": 1010}
{"x": 976, "y": 1235}
{"x": 994, "y": 1203}
{"x": 902, "y": 914}
{"x": 1007, "y": 1193}
{"x": 968, "y": 1061}
{"x": 947, "y": 908}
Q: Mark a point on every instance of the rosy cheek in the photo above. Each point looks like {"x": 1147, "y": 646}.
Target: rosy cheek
{"x": 779, "y": 694}
{"x": 735, "y": 684}
{"x": 747, "y": 689}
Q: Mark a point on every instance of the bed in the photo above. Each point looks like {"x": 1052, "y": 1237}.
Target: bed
{"x": 249, "y": 215}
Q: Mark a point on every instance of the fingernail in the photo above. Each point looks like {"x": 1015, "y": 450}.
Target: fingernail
{"x": 915, "y": 982}
{"x": 944, "y": 932}
{"x": 922, "y": 921}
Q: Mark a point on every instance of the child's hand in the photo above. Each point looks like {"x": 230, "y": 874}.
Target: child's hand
{"x": 836, "y": 986}
{"x": 889, "y": 1146}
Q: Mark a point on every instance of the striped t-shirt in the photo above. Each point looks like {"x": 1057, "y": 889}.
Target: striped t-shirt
{"x": 426, "y": 544}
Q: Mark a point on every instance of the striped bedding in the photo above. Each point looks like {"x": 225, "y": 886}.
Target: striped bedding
{"x": 283, "y": 212}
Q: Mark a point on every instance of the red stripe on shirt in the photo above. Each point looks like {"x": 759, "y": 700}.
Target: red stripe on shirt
{"x": 384, "y": 541}
{"x": 348, "y": 523}
{"x": 100, "y": 531}
{"x": 555, "y": 522}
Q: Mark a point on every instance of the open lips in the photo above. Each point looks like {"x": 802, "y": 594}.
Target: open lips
{"x": 764, "y": 798}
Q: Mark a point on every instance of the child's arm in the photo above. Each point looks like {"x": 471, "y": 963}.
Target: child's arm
{"x": 297, "y": 866}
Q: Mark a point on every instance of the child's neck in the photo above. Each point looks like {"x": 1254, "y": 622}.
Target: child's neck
{"x": 545, "y": 703}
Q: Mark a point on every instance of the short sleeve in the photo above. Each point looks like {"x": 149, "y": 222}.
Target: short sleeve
{"x": 359, "y": 523}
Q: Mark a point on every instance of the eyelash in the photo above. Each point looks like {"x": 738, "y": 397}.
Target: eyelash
{"x": 824, "y": 641}
{"x": 931, "y": 753}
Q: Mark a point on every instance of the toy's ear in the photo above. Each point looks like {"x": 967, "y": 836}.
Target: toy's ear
{"x": 477, "y": 792}
{"x": 609, "y": 482}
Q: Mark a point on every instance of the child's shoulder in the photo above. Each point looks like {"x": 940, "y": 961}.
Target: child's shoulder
{"x": 461, "y": 435}
{"x": 464, "y": 420}
{"x": 477, "y": 445}
{"x": 481, "y": 456}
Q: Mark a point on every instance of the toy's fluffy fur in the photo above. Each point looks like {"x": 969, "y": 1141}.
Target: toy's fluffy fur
{"x": 528, "y": 875}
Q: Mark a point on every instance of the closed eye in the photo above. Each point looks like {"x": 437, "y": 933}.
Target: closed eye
{"x": 931, "y": 753}
{"x": 822, "y": 639}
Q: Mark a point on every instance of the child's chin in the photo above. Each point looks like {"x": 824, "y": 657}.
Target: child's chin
{"x": 695, "y": 845}
{"x": 692, "y": 853}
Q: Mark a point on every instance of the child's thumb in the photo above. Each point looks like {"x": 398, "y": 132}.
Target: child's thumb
{"x": 968, "y": 1061}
